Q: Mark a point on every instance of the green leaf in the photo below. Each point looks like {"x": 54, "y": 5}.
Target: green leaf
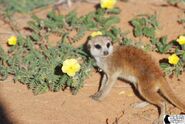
{"x": 154, "y": 40}
{"x": 138, "y": 31}
{"x": 127, "y": 41}
{"x": 69, "y": 82}
{"x": 164, "y": 40}
{"x": 183, "y": 56}
{"x": 111, "y": 20}
{"x": 142, "y": 21}
{"x": 3, "y": 55}
{"x": 36, "y": 18}
{"x": 3, "y": 73}
{"x": 149, "y": 32}
{"x": 115, "y": 10}
{"x": 135, "y": 23}
{"x": 115, "y": 31}
{"x": 167, "y": 48}
{"x": 34, "y": 25}
{"x": 153, "y": 20}
{"x": 164, "y": 65}
{"x": 71, "y": 18}
{"x": 35, "y": 36}
{"x": 42, "y": 88}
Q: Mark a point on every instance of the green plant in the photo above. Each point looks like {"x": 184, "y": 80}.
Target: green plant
{"x": 170, "y": 69}
{"x": 175, "y": 68}
{"x": 145, "y": 26}
{"x": 39, "y": 66}
{"x": 64, "y": 24}
{"x": 175, "y": 2}
{"x": 32, "y": 61}
{"x": 12, "y": 6}
{"x": 161, "y": 45}
{"x": 181, "y": 21}
{"x": 138, "y": 44}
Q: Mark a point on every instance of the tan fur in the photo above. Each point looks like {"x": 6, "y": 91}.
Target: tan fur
{"x": 135, "y": 66}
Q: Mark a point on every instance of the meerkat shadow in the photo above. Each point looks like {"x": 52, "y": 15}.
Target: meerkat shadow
{"x": 136, "y": 92}
{"x": 182, "y": 113}
{"x": 86, "y": 48}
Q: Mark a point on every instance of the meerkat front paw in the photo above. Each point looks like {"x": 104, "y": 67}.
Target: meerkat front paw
{"x": 97, "y": 96}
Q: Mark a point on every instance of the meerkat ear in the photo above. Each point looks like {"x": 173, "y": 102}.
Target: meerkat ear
{"x": 110, "y": 39}
{"x": 88, "y": 45}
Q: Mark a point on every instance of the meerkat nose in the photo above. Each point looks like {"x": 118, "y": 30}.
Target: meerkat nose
{"x": 105, "y": 52}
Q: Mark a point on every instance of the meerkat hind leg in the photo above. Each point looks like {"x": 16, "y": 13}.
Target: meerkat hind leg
{"x": 161, "y": 116}
{"x": 153, "y": 97}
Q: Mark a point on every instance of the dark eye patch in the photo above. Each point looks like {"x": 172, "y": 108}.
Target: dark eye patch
{"x": 108, "y": 45}
{"x": 97, "y": 46}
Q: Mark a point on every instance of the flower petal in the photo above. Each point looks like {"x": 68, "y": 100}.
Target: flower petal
{"x": 107, "y": 4}
{"x": 64, "y": 68}
{"x": 70, "y": 66}
{"x": 12, "y": 40}
{"x": 76, "y": 67}
{"x": 173, "y": 59}
{"x": 97, "y": 33}
{"x": 181, "y": 40}
{"x": 71, "y": 74}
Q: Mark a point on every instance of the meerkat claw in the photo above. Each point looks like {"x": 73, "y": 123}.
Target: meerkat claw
{"x": 96, "y": 96}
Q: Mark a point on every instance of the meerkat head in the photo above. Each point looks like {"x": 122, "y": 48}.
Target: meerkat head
{"x": 100, "y": 46}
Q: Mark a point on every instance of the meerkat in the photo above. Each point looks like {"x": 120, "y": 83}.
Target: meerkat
{"x": 134, "y": 65}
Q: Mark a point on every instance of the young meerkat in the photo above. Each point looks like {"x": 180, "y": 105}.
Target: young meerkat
{"x": 134, "y": 65}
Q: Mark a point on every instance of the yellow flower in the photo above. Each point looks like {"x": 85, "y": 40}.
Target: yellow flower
{"x": 94, "y": 34}
{"x": 12, "y": 40}
{"x": 181, "y": 40}
{"x": 107, "y": 4}
{"x": 70, "y": 66}
{"x": 173, "y": 59}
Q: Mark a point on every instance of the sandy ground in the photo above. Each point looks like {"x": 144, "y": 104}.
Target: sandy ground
{"x": 18, "y": 105}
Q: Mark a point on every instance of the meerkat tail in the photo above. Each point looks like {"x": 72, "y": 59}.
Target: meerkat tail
{"x": 168, "y": 92}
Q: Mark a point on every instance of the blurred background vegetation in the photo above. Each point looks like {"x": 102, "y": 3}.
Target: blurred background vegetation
{"x": 22, "y": 6}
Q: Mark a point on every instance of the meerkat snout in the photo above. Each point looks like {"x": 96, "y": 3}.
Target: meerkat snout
{"x": 101, "y": 46}
{"x": 105, "y": 53}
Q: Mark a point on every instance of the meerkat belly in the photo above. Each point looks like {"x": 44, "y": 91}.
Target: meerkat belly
{"x": 130, "y": 78}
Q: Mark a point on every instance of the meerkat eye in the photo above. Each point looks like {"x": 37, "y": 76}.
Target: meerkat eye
{"x": 97, "y": 46}
{"x": 108, "y": 45}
